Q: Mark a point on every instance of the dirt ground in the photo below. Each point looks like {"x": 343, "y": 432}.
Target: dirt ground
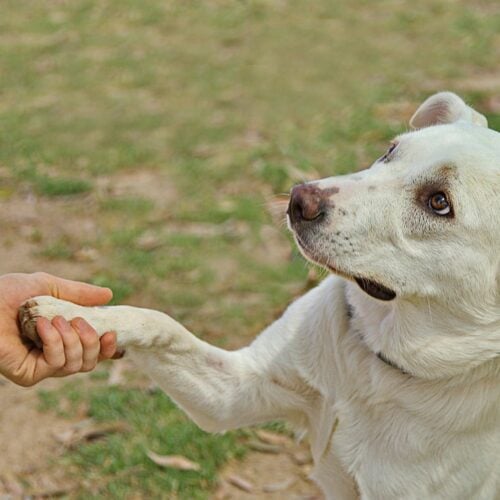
{"x": 27, "y": 434}
{"x": 29, "y": 445}
{"x": 201, "y": 90}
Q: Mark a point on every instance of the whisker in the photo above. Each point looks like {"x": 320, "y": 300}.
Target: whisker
{"x": 277, "y": 207}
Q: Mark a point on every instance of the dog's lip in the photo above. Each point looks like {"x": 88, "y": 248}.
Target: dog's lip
{"x": 372, "y": 288}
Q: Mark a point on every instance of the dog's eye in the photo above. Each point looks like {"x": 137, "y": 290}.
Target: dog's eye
{"x": 388, "y": 153}
{"x": 439, "y": 204}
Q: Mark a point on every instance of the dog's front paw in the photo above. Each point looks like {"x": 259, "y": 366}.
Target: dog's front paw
{"x": 28, "y": 314}
{"x": 38, "y": 307}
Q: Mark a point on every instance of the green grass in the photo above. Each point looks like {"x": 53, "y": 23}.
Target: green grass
{"x": 57, "y": 250}
{"x": 117, "y": 465}
{"x": 128, "y": 205}
{"x": 221, "y": 105}
{"x": 121, "y": 286}
{"x": 55, "y": 186}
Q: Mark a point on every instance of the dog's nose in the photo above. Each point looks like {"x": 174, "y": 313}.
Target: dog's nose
{"x": 307, "y": 203}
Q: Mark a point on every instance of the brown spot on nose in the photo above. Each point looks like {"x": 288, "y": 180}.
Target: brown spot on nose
{"x": 308, "y": 202}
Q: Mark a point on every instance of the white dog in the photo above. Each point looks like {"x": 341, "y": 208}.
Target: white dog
{"x": 393, "y": 365}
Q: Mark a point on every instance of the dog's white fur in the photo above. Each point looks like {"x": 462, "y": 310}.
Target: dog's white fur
{"x": 424, "y": 423}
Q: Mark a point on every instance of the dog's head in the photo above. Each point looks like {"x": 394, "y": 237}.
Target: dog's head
{"x": 420, "y": 226}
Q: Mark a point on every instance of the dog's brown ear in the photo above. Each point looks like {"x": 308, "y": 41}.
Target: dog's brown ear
{"x": 445, "y": 107}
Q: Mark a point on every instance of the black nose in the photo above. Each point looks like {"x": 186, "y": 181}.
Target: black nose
{"x": 307, "y": 203}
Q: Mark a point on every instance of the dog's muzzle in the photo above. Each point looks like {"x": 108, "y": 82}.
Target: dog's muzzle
{"x": 308, "y": 204}
{"x": 308, "y": 207}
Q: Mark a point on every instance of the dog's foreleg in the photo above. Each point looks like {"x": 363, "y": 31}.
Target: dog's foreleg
{"x": 219, "y": 389}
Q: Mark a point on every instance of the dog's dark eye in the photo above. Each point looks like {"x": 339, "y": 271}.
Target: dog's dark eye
{"x": 388, "y": 153}
{"x": 439, "y": 204}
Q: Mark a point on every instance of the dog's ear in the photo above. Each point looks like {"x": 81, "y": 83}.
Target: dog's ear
{"x": 445, "y": 107}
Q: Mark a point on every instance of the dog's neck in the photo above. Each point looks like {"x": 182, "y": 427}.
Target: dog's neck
{"x": 421, "y": 338}
{"x": 353, "y": 318}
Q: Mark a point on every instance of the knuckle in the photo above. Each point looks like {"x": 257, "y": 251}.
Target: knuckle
{"x": 41, "y": 276}
{"x": 89, "y": 340}
{"x": 94, "y": 343}
{"x": 88, "y": 367}
{"x": 79, "y": 322}
{"x": 59, "y": 322}
{"x": 72, "y": 368}
{"x": 72, "y": 342}
{"x": 57, "y": 363}
{"x": 74, "y": 357}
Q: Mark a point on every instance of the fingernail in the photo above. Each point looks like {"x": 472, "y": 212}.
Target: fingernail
{"x": 58, "y": 319}
{"x": 78, "y": 323}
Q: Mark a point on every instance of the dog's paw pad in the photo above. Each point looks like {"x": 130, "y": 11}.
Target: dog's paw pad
{"x": 28, "y": 314}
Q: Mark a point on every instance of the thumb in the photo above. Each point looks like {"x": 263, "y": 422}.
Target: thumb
{"x": 76, "y": 291}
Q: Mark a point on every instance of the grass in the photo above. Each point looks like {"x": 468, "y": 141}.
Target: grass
{"x": 57, "y": 250}
{"x": 55, "y": 186}
{"x": 120, "y": 285}
{"x": 118, "y": 464}
{"x": 128, "y": 205}
{"x": 207, "y": 110}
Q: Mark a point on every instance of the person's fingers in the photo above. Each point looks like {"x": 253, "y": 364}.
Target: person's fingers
{"x": 108, "y": 345}
{"x": 90, "y": 343}
{"x": 73, "y": 291}
{"x": 53, "y": 347}
{"x": 73, "y": 349}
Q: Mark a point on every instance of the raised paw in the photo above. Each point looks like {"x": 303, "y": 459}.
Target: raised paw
{"x": 28, "y": 314}
{"x": 46, "y": 307}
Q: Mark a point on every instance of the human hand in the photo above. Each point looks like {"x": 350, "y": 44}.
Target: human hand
{"x": 67, "y": 347}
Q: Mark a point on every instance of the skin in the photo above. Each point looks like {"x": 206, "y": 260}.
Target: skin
{"x": 68, "y": 347}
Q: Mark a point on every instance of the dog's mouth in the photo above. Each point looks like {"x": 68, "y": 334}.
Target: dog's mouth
{"x": 372, "y": 288}
{"x": 375, "y": 290}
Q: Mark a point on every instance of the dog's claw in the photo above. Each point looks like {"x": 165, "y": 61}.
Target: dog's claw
{"x": 27, "y": 321}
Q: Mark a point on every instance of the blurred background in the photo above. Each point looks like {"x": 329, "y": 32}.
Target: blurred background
{"x": 142, "y": 146}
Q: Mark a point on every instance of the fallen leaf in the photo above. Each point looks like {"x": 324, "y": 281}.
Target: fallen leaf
{"x": 88, "y": 430}
{"x": 148, "y": 241}
{"x": 273, "y": 438}
{"x": 52, "y": 491}
{"x": 222, "y": 492}
{"x": 302, "y": 457}
{"x": 240, "y": 483}
{"x": 265, "y": 447}
{"x": 12, "y": 486}
{"x": 64, "y": 437}
{"x": 173, "y": 461}
{"x": 86, "y": 254}
{"x": 282, "y": 485}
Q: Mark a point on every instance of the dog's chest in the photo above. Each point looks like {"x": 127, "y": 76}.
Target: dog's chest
{"x": 403, "y": 437}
